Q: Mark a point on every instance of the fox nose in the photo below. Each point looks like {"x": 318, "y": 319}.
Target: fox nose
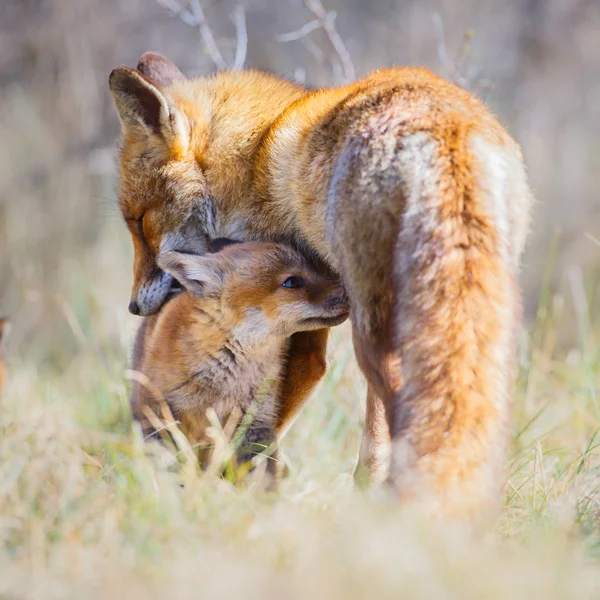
{"x": 134, "y": 308}
{"x": 337, "y": 298}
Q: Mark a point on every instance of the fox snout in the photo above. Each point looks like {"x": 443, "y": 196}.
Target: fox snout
{"x": 151, "y": 294}
{"x": 336, "y": 303}
{"x": 336, "y": 300}
{"x": 331, "y": 309}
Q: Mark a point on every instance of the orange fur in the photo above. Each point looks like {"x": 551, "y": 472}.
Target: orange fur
{"x": 402, "y": 183}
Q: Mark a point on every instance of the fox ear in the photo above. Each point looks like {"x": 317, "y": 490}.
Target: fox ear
{"x": 159, "y": 69}
{"x": 4, "y": 331}
{"x": 141, "y": 104}
{"x": 199, "y": 275}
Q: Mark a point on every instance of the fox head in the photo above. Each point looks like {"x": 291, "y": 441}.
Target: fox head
{"x": 261, "y": 289}
{"x": 178, "y": 136}
{"x": 152, "y": 199}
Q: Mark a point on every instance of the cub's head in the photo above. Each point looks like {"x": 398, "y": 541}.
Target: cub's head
{"x": 262, "y": 289}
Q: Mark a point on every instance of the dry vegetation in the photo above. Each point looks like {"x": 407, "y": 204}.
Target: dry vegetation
{"x": 83, "y": 507}
{"x": 84, "y": 512}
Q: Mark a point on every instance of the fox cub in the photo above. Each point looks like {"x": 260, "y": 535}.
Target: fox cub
{"x": 221, "y": 344}
{"x": 4, "y": 331}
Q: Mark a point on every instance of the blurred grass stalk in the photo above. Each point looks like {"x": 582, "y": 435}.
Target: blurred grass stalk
{"x": 85, "y": 506}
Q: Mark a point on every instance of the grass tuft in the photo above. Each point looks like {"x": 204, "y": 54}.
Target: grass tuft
{"x": 87, "y": 511}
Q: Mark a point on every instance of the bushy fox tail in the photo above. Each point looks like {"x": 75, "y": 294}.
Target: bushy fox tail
{"x": 427, "y": 220}
{"x": 457, "y": 312}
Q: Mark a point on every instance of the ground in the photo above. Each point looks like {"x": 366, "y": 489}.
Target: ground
{"x": 85, "y": 512}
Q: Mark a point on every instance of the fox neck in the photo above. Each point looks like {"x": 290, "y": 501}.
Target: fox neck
{"x": 265, "y": 180}
{"x": 290, "y": 180}
{"x": 230, "y": 115}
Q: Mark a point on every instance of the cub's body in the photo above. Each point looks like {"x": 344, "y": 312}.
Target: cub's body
{"x": 222, "y": 343}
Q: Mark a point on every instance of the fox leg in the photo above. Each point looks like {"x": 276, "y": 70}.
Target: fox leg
{"x": 260, "y": 439}
{"x": 374, "y": 454}
{"x": 306, "y": 365}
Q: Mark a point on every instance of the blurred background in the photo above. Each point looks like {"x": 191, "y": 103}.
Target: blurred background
{"x": 65, "y": 256}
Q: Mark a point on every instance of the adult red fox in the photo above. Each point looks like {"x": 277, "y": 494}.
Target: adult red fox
{"x": 222, "y": 344}
{"x": 404, "y": 185}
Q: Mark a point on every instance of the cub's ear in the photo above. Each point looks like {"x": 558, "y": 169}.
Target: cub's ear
{"x": 4, "y": 331}
{"x": 141, "y": 104}
{"x": 199, "y": 275}
{"x": 159, "y": 69}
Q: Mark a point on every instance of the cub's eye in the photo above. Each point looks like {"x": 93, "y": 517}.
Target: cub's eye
{"x": 293, "y": 282}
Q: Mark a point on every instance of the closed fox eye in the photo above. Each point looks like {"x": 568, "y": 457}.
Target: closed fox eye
{"x": 139, "y": 223}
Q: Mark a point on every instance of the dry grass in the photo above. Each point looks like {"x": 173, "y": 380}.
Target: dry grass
{"x": 84, "y": 512}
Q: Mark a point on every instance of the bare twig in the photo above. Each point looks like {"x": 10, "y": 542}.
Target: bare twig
{"x": 294, "y": 36}
{"x": 579, "y": 300}
{"x": 192, "y": 14}
{"x": 326, "y": 21}
{"x": 314, "y": 50}
{"x": 442, "y": 50}
{"x": 207, "y": 37}
{"x": 241, "y": 48}
{"x": 465, "y": 75}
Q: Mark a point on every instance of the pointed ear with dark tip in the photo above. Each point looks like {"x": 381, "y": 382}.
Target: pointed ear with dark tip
{"x": 159, "y": 69}
{"x": 199, "y": 275}
{"x": 4, "y": 331}
{"x": 141, "y": 104}
{"x": 137, "y": 99}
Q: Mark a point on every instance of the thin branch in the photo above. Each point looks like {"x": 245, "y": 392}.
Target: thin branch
{"x": 440, "y": 36}
{"x": 241, "y": 48}
{"x": 194, "y": 17}
{"x": 170, "y": 5}
{"x": 327, "y": 20}
{"x": 459, "y": 70}
{"x": 300, "y": 75}
{"x": 294, "y": 36}
{"x": 206, "y": 33}
{"x": 314, "y": 50}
